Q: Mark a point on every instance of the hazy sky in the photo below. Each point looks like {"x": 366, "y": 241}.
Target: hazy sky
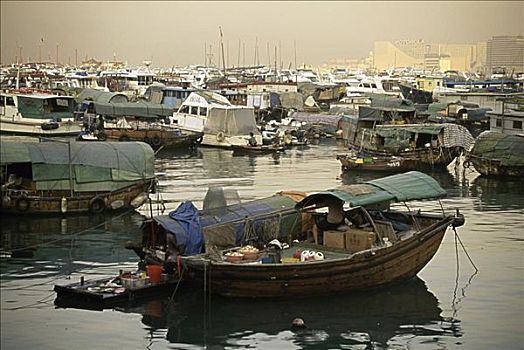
{"x": 175, "y": 33}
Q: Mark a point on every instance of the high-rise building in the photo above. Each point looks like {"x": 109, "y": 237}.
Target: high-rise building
{"x": 429, "y": 56}
{"x": 505, "y": 52}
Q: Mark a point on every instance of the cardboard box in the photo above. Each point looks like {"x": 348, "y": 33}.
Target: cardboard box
{"x": 358, "y": 240}
{"x": 334, "y": 239}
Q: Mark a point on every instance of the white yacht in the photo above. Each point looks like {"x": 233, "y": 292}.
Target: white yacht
{"x": 223, "y": 124}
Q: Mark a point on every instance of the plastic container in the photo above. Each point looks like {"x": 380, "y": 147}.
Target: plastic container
{"x": 133, "y": 282}
{"x": 155, "y": 273}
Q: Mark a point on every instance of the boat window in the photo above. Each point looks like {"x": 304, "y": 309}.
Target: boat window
{"x": 517, "y": 124}
{"x": 9, "y": 101}
{"x": 203, "y": 111}
{"x": 194, "y": 110}
{"x": 184, "y": 109}
{"x": 374, "y": 86}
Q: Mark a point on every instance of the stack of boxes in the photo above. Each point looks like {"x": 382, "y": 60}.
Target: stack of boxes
{"x": 352, "y": 239}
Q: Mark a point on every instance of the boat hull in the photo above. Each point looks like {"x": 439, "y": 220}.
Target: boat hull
{"x": 493, "y": 167}
{"x": 33, "y": 202}
{"x": 430, "y": 159}
{"x": 364, "y": 270}
{"x": 155, "y": 138}
{"x": 21, "y": 128}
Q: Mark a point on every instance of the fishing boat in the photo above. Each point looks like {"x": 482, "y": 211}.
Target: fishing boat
{"x": 363, "y": 161}
{"x": 500, "y": 151}
{"x": 375, "y": 244}
{"x": 406, "y": 147}
{"x": 390, "y": 128}
{"x": 258, "y": 149}
{"x": 31, "y": 113}
{"x": 497, "y": 154}
{"x": 137, "y": 121}
{"x": 74, "y": 177}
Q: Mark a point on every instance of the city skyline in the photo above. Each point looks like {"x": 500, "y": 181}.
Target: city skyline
{"x": 181, "y": 33}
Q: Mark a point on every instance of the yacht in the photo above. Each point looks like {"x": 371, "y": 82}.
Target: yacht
{"x": 223, "y": 124}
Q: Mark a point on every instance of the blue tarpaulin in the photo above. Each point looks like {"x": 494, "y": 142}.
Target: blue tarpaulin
{"x": 274, "y": 216}
{"x": 186, "y": 228}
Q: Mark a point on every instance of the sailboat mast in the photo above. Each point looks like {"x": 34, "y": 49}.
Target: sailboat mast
{"x": 222, "y": 47}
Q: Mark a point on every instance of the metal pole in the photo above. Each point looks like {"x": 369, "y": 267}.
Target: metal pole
{"x": 70, "y": 169}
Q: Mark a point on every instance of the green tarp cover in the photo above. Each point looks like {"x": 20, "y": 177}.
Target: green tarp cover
{"x": 437, "y": 107}
{"x": 385, "y": 102}
{"x": 100, "y": 96}
{"x": 291, "y": 100}
{"x": 453, "y": 135}
{"x": 99, "y": 165}
{"x": 393, "y": 131}
{"x": 408, "y": 186}
{"x": 140, "y": 109}
{"x": 52, "y": 107}
{"x": 508, "y": 149}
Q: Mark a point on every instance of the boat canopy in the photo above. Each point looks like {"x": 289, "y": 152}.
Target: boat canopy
{"x": 408, "y": 186}
{"x": 231, "y": 121}
{"x": 453, "y": 135}
{"x": 508, "y": 149}
{"x": 262, "y": 219}
{"x": 142, "y": 109}
{"x": 100, "y": 96}
{"x": 45, "y": 107}
{"x": 95, "y": 166}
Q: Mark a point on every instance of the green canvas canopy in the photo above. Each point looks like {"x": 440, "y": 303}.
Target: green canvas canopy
{"x": 140, "y": 109}
{"x": 100, "y": 96}
{"x": 408, "y": 186}
{"x": 508, "y": 149}
{"x": 45, "y": 107}
{"x": 92, "y": 166}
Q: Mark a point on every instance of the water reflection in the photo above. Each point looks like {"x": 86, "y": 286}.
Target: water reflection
{"x": 497, "y": 193}
{"x": 364, "y": 320}
{"x": 46, "y": 246}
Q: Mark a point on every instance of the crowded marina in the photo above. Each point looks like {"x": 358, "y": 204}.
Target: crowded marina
{"x": 267, "y": 202}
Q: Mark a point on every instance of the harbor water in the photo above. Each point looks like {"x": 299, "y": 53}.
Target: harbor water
{"x": 448, "y": 306}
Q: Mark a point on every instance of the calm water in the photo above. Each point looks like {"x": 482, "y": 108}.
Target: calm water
{"x": 447, "y": 307}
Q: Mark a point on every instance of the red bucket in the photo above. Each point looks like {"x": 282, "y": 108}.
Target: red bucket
{"x": 155, "y": 273}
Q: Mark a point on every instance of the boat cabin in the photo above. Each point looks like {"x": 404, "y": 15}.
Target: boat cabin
{"x": 36, "y": 107}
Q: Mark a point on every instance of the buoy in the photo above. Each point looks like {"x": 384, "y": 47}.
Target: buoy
{"x": 298, "y": 322}
{"x": 119, "y": 203}
{"x": 63, "y": 205}
{"x": 139, "y": 200}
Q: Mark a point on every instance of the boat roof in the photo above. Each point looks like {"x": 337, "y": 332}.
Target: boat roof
{"x": 135, "y": 157}
{"x": 39, "y": 96}
{"x": 408, "y": 186}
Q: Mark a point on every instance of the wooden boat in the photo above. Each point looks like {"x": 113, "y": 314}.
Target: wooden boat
{"x": 156, "y": 135}
{"x": 355, "y": 161}
{"x": 136, "y": 121}
{"x": 105, "y": 293}
{"x": 379, "y": 247}
{"x": 385, "y": 130}
{"x": 497, "y": 154}
{"x": 259, "y": 149}
{"x": 74, "y": 177}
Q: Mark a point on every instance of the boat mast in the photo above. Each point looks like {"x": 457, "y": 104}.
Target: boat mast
{"x": 222, "y": 47}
